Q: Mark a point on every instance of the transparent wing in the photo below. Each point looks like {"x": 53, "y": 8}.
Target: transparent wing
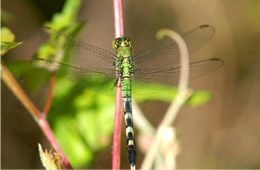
{"x": 87, "y": 59}
{"x": 78, "y": 69}
{"x": 160, "y": 64}
{"x": 166, "y": 52}
{"x": 169, "y": 76}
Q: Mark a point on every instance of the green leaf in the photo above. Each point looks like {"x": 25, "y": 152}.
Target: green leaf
{"x": 7, "y": 35}
{"x": 82, "y": 119}
{"x": 164, "y": 96}
{"x": 199, "y": 98}
{"x": 165, "y": 93}
{"x": 8, "y": 45}
{"x": 71, "y": 141}
{"x": 67, "y": 17}
{"x": 65, "y": 22}
{"x": 32, "y": 76}
{"x": 145, "y": 92}
{"x": 7, "y": 40}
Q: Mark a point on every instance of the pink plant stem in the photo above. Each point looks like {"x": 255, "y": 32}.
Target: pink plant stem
{"x": 50, "y": 95}
{"x": 118, "y": 18}
{"x": 117, "y": 129}
{"x": 119, "y": 31}
{"x": 33, "y": 110}
{"x": 51, "y": 138}
{"x": 18, "y": 92}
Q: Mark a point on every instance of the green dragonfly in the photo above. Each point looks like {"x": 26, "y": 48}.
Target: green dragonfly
{"x": 156, "y": 65}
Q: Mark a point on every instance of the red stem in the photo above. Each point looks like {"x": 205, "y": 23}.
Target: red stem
{"x": 117, "y": 129}
{"x": 33, "y": 110}
{"x": 119, "y": 31}
{"x": 51, "y": 138}
{"x": 18, "y": 92}
{"x": 50, "y": 95}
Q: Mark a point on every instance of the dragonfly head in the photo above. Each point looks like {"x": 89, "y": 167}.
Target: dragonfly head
{"x": 122, "y": 42}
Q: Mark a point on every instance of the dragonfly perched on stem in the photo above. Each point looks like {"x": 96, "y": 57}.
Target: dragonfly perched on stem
{"x": 153, "y": 66}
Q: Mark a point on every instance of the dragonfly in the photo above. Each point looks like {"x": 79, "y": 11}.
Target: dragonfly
{"x": 156, "y": 65}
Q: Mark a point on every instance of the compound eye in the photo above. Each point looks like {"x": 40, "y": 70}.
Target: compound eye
{"x": 131, "y": 43}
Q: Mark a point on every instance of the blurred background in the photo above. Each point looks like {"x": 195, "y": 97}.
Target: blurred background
{"x": 224, "y": 133}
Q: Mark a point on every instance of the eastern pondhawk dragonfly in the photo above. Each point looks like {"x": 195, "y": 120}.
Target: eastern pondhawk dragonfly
{"x": 159, "y": 64}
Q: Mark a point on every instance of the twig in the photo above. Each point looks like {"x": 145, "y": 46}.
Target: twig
{"x": 141, "y": 122}
{"x": 51, "y": 138}
{"x": 119, "y": 31}
{"x": 36, "y": 114}
{"x": 179, "y": 100}
{"x": 50, "y": 95}
{"x": 145, "y": 128}
{"x": 18, "y": 92}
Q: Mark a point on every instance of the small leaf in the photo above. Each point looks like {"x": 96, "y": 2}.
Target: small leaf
{"x": 7, "y": 35}
{"x": 8, "y": 45}
{"x": 7, "y": 40}
{"x": 83, "y": 117}
{"x": 67, "y": 17}
{"x": 199, "y": 98}
{"x": 50, "y": 160}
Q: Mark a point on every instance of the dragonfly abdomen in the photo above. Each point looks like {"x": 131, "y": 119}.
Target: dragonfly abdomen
{"x": 127, "y": 104}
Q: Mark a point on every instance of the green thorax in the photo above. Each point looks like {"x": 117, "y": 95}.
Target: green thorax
{"x": 124, "y": 58}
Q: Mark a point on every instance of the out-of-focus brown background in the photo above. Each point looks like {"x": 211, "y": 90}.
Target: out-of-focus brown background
{"x": 222, "y": 134}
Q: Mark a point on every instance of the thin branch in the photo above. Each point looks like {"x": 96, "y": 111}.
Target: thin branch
{"x": 145, "y": 128}
{"x": 183, "y": 91}
{"x": 143, "y": 125}
{"x": 179, "y": 100}
{"x": 18, "y": 92}
{"x": 51, "y": 138}
{"x": 50, "y": 95}
{"x": 36, "y": 114}
{"x": 119, "y": 31}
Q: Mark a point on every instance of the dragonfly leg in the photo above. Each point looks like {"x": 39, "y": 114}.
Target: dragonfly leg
{"x": 115, "y": 85}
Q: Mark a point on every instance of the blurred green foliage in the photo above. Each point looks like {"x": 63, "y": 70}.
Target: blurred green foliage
{"x": 68, "y": 16}
{"x": 75, "y": 125}
{"x": 26, "y": 71}
{"x": 199, "y": 98}
{"x": 81, "y": 118}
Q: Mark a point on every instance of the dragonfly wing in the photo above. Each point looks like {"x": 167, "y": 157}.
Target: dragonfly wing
{"x": 99, "y": 80}
{"x": 170, "y": 75}
{"x": 166, "y": 51}
{"x": 89, "y": 65}
{"x": 77, "y": 69}
{"x": 85, "y": 55}
{"x": 160, "y": 64}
